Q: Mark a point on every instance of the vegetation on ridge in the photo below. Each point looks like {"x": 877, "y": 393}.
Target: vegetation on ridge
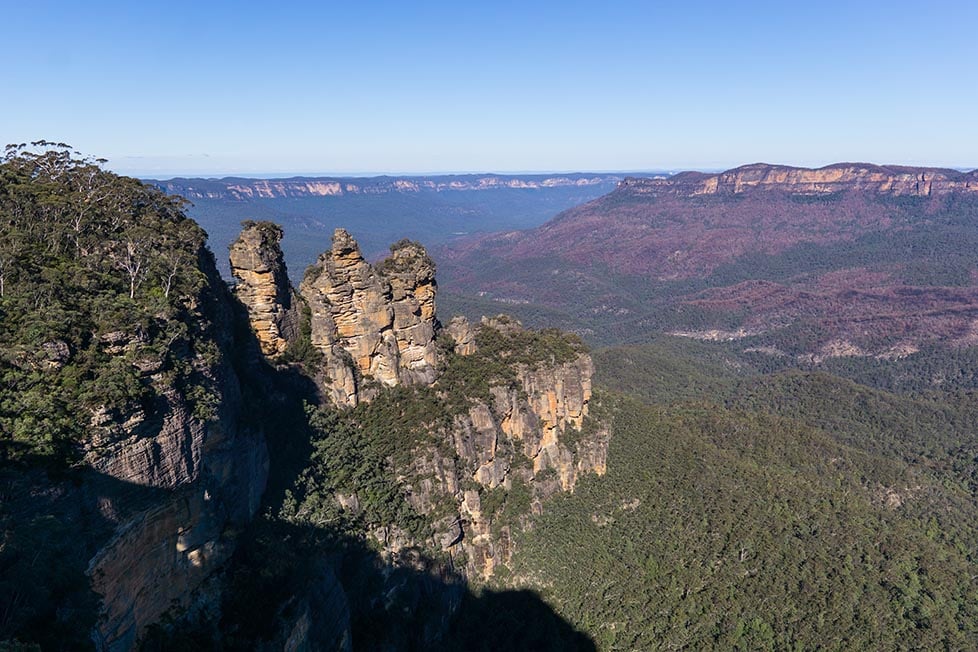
{"x": 100, "y": 280}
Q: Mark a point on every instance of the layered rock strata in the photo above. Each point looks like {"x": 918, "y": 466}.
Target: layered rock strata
{"x": 263, "y": 286}
{"x": 372, "y": 324}
{"x": 528, "y": 436}
{"x": 375, "y": 326}
{"x": 892, "y": 180}
{"x": 175, "y": 479}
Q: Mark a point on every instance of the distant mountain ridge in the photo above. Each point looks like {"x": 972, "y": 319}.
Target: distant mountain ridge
{"x": 236, "y": 188}
{"x": 851, "y": 259}
{"x": 895, "y": 180}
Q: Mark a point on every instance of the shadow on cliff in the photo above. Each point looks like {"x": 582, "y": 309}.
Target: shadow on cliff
{"x": 308, "y": 587}
{"x": 303, "y": 587}
{"x": 52, "y": 523}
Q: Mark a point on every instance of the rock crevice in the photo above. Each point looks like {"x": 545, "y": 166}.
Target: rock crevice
{"x": 372, "y": 323}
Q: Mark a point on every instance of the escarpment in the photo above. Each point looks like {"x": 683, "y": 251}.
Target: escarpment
{"x": 507, "y": 407}
{"x": 126, "y": 462}
{"x": 888, "y": 180}
{"x": 205, "y": 469}
{"x": 527, "y": 437}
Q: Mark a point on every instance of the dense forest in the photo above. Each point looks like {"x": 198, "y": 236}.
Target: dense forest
{"x": 90, "y": 262}
{"x": 755, "y": 510}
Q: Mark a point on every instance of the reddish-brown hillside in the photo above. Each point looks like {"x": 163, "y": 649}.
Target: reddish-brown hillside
{"x": 850, "y": 257}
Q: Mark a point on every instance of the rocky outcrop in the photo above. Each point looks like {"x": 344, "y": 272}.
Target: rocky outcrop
{"x": 526, "y": 441}
{"x": 186, "y": 474}
{"x": 412, "y": 278}
{"x": 889, "y": 180}
{"x": 372, "y": 324}
{"x": 528, "y": 435}
{"x": 263, "y": 286}
{"x": 375, "y": 326}
{"x": 462, "y": 334}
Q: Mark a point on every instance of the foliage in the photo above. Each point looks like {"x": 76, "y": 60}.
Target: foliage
{"x": 99, "y": 275}
{"x": 721, "y": 529}
{"x": 351, "y": 456}
{"x": 749, "y": 506}
{"x": 502, "y": 349}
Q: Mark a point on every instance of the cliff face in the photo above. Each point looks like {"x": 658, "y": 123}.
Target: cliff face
{"x": 860, "y": 177}
{"x": 504, "y": 454}
{"x": 505, "y": 422}
{"x": 527, "y": 439}
{"x": 240, "y": 189}
{"x": 126, "y": 467}
{"x": 263, "y": 286}
{"x": 372, "y": 324}
{"x": 206, "y": 471}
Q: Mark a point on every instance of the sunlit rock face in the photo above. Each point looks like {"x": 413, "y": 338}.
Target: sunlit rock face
{"x": 372, "y": 323}
{"x": 263, "y": 286}
{"x": 374, "y": 326}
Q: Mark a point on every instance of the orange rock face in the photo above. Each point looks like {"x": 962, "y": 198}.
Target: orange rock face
{"x": 380, "y": 322}
{"x": 263, "y": 286}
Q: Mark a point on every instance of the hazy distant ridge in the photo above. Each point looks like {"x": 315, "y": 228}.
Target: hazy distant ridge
{"x": 894, "y": 180}
{"x": 233, "y": 188}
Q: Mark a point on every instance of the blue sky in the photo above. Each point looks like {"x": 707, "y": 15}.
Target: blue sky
{"x": 300, "y": 87}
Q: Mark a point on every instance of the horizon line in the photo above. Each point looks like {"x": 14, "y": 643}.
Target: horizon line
{"x": 220, "y": 176}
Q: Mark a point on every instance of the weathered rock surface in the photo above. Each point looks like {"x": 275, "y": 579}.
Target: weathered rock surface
{"x": 533, "y": 421}
{"x": 375, "y": 326}
{"x": 412, "y": 278}
{"x": 372, "y": 324}
{"x": 463, "y": 334}
{"x": 529, "y": 437}
{"x": 182, "y": 481}
{"x": 263, "y": 286}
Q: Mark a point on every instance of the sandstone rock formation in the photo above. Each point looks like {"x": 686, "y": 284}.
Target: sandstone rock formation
{"x": 375, "y": 326}
{"x": 528, "y": 436}
{"x": 890, "y": 180}
{"x": 463, "y": 335}
{"x": 372, "y": 324}
{"x": 176, "y": 482}
{"x": 263, "y": 286}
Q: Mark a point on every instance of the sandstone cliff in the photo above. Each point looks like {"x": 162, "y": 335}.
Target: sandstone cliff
{"x": 508, "y": 446}
{"x": 372, "y": 325}
{"x": 263, "y": 286}
{"x": 889, "y": 180}
{"x": 240, "y": 189}
{"x": 127, "y": 460}
{"x": 508, "y": 408}
{"x": 208, "y": 472}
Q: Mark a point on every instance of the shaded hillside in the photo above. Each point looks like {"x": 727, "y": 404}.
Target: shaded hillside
{"x": 845, "y": 260}
{"x": 380, "y": 210}
{"x": 127, "y": 455}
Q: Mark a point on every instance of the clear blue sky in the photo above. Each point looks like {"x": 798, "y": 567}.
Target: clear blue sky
{"x": 366, "y": 87}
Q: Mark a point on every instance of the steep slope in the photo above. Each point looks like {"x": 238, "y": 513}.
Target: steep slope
{"x": 125, "y": 457}
{"x": 849, "y": 259}
{"x": 453, "y": 413}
